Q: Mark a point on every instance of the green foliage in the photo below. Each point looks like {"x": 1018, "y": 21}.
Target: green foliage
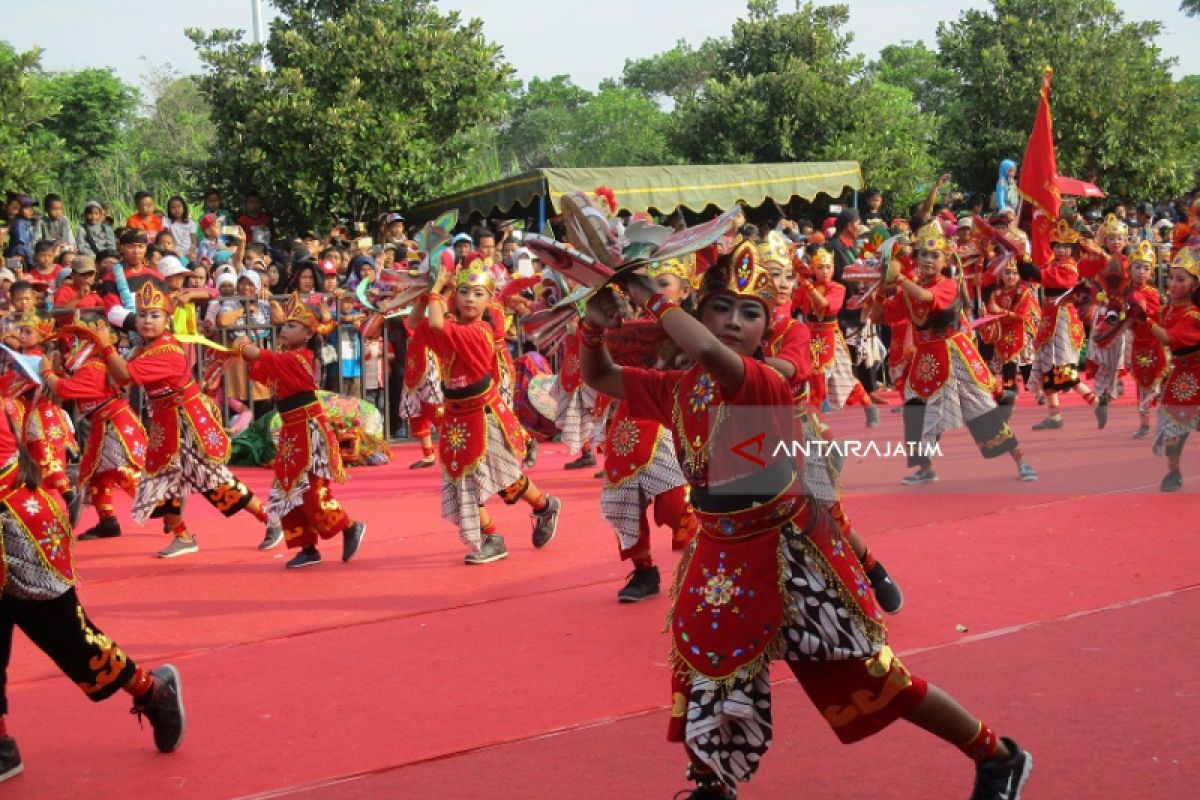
{"x": 1119, "y": 118}
{"x": 784, "y": 87}
{"x": 675, "y": 75}
{"x": 29, "y": 152}
{"x": 913, "y": 66}
{"x": 370, "y": 104}
{"x": 95, "y": 107}
{"x": 1190, "y": 7}
{"x": 554, "y": 123}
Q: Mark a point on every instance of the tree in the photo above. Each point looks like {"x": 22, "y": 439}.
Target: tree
{"x": 95, "y": 108}
{"x": 1119, "y": 117}
{"x": 1190, "y": 7}
{"x": 913, "y": 66}
{"x": 28, "y": 152}
{"x": 555, "y": 123}
{"x": 370, "y": 104}
{"x": 784, "y": 87}
{"x": 677, "y": 74}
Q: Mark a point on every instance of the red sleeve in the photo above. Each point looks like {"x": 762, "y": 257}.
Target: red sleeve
{"x": 762, "y": 386}
{"x": 160, "y": 367}
{"x": 1060, "y": 275}
{"x": 1186, "y": 331}
{"x": 796, "y": 349}
{"x": 292, "y": 372}
{"x": 650, "y": 393}
{"x": 1090, "y": 265}
{"x": 89, "y": 383}
{"x": 835, "y": 296}
{"x": 945, "y": 292}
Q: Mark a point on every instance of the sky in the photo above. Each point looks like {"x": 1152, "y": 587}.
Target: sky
{"x": 585, "y": 39}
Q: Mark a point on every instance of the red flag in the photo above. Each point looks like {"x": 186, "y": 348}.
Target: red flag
{"x": 1039, "y": 172}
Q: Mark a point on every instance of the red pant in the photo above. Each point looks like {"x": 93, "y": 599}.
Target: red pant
{"x": 320, "y": 515}
{"x": 421, "y": 425}
{"x": 670, "y": 508}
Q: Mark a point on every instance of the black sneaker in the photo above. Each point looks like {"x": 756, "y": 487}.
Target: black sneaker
{"x": 924, "y": 475}
{"x": 10, "y": 759}
{"x": 351, "y": 538}
{"x": 709, "y": 790}
{"x": 1102, "y": 413}
{"x": 424, "y": 463}
{"x": 1049, "y": 424}
{"x": 272, "y": 538}
{"x": 531, "y": 454}
{"x": 1002, "y": 780}
{"x": 492, "y": 550}
{"x": 586, "y": 459}
{"x": 106, "y": 528}
{"x": 887, "y": 593}
{"x": 164, "y": 709}
{"x": 1142, "y": 432}
{"x": 1171, "y": 482}
{"x": 872, "y": 417}
{"x": 642, "y": 583}
{"x": 545, "y": 522}
{"x": 307, "y": 557}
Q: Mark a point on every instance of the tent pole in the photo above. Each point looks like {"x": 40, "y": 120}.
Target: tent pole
{"x": 541, "y": 226}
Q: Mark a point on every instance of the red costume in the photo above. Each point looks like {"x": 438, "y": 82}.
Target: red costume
{"x": 1151, "y": 359}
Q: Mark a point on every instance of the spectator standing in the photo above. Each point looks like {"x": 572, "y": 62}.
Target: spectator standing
{"x": 95, "y": 235}
{"x": 55, "y": 225}
{"x": 146, "y": 218}
{"x": 182, "y": 229}
{"x": 256, "y": 222}
{"x": 21, "y": 231}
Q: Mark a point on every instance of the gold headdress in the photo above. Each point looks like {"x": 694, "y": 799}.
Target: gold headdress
{"x": 775, "y": 248}
{"x": 683, "y": 268}
{"x": 43, "y": 325}
{"x": 475, "y": 271}
{"x": 1188, "y": 260}
{"x": 931, "y": 237}
{"x": 744, "y": 277}
{"x": 151, "y": 298}
{"x": 296, "y": 310}
{"x": 820, "y": 256}
{"x": 1064, "y": 233}
{"x": 1144, "y": 253}
{"x": 1111, "y": 227}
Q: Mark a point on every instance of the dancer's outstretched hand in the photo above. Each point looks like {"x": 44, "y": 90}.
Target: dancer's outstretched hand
{"x": 603, "y": 311}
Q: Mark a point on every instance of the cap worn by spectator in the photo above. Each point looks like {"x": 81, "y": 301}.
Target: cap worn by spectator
{"x": 327, "y": 268}
{"x": 133, "y": 236}
{"x": 85, "y": 264}
{"x": 90, "y": 204}
{"x": 253, "y": 277}
{"x": 6, "y": 274}
{"x": 394, "y": 217}
{"x": 26, "y": 200}
{"x": 226, "y": 278}
{"x": 171, "y": 265}
{"x": 207, "y": 220}
{"x": 1163, "y": 223}
{"x": 461, "y": 237}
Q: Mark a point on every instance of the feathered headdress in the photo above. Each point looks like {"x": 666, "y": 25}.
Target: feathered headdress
{"x": 43, "y": 325}
{"x": 475, "y": 271}
{"x": 742, "y": 276}
{"x": 315, "y": 319}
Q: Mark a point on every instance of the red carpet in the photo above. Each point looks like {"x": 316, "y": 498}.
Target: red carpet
{"x": 407, "y": 674}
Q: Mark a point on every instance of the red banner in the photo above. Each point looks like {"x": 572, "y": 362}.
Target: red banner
{"x": 1038, "y": 180}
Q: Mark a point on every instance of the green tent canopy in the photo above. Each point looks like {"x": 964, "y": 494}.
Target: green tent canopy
{"x": 662, "y": 188}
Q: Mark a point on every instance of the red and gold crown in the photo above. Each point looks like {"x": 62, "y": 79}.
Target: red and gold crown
{"x": 1144, "y": 253}
{"x": 1188, "y": 260}
{"x": 932, "y": 237}
{"x": 151, "y": 298}
{"x": 683, "y": 267}
{"x": 775, "y": 248}
{"x": 820, "y": 257}
{"x": 475, "y": 271}
{"x": 1064, "y": 233}
{"x": 296, "y": 310}
{"x": 1111, "y": 227}
{"x": 43, "y": 325}
{"x": 743, "y": 277}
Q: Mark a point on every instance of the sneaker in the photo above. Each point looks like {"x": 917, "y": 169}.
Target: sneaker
{"x": 1025, "y": 472}
{"x": 642, "y": 583}
{"x": 1002, "y": 780}
{"x": 273, "y": 537}
{"x": 709, "y": 790}
{"x": 351, "y": 538}
{"x": 106, "y": 528}
{"x": 599, "y": 474}
{"x": 586, "y": 459}
{"x": 1102, "y": 413}
{"x": 924, "y": 475}
{"x": 424, "y": 463}
{"x": 1049, "y": 424}
{"x": 164, "y": 709}
{"x": 1120, "y": 388}
{"x": 492, "y": 550}
{"x": 179, "y": 547}
{"x": 1172, "y": 482}
{"x": 545, "y": 522}
{"x": 10, "y": 759}
{"x": 872, "y": 417}
{"x": 887, "y": 593}
{"x": 307, "y": 557}
{"x": 1142, "y": 432}
{"x": 531, "y": 454}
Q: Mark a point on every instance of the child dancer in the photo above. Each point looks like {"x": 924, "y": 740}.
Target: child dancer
{"x": 1149, "y": 358}
{"x": 1061, "y": 334}
{"x": 1108, "y": 266}
{"x": 114, "y": 456}
{"x": 481, "y": 442}
{"x": 188, "y": 447}
{"x": 1018, "y": 307}
{"x": 421, "y": 401}
{"x": 575, "y": 415}
{"x": 769, "y": 575}
{"x": 948, "y": 386}
{"x": 1178, "y": 327}
{"x": 48, "y": 432}
{"x": 307, "y": 456}
{"x": 38, "y": 596}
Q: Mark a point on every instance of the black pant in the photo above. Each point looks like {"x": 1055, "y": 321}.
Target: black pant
{"x": 62, "y": 630}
